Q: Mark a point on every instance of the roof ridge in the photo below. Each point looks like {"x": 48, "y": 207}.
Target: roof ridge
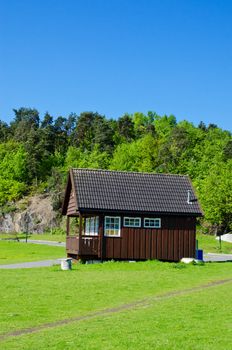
{"x": 130, "y": 172}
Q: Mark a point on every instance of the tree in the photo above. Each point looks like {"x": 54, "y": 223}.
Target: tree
{"x": 126, "y": 128}
{"x": 215, "y": 193}
{"x": 61, "y": 137}
{"x": 4, "y": 131}
{"x": 227, "y": 150}
{"x": 164, "y": 125}
{"x": 84, "y": 132}
{"x": 139, "y": 155}
{"x": 47, "y": 135}
{"x": 13, "y": 171}
{"x": 25, "y": 120}
{"x": 103, "y": 134}
{"x": 77, "y": 158}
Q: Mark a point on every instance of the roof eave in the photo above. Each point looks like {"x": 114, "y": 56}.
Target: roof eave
{"x": 139, "y": 212}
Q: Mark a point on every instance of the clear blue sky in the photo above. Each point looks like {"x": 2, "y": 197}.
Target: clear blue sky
{"x": 117, "y": 56}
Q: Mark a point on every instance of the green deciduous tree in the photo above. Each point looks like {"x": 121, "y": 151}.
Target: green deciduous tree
{"x": 215, "y": 193}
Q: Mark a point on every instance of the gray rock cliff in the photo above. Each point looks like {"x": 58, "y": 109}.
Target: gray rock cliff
{"x": 33, "y": 215}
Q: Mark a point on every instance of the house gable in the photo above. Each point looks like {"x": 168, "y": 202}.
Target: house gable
{"x": 70, "y": 198}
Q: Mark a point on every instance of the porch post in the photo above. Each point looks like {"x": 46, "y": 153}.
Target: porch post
{"x": 101, "y": 237}
{"x": 80, "y": 233}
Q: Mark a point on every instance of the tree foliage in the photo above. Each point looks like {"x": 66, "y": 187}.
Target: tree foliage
{"x": 38, "y": 151}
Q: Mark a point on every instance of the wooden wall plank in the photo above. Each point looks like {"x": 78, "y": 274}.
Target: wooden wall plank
{"x": 142, "y": 244}
{"x": 159, "y": 243}
{"x": 164, "y": 251}
{"x": 192, "y": 243}
{"x": 117, "y": 248}
{"x": 186, "y": 243}
{"x": 109, "y": 250}
{"x": 124, "y": 243}
{"x": 181, "y": 244}
{"x": 71, "y": 209}
{"x": 137, "y": 234}
{"x": 175, "y": 245}
{"x": 154, "y": 244}
{"x": 148, "y": 243}
{"x": 170, "y": 245}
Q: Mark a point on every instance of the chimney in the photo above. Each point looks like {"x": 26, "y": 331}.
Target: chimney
{"x": 189, "y": 201}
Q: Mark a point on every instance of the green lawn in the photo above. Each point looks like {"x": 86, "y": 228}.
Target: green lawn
{"x": 199, "y": 320}
{"x": 49, "y": 237}
{"x": 210, "y": 245}
{"x": 13, "y": 252}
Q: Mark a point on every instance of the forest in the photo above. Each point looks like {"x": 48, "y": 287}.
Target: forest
{"x": 36, "y": 153}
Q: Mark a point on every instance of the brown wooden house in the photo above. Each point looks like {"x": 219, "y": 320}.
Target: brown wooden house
{"x": 129, "y": 215}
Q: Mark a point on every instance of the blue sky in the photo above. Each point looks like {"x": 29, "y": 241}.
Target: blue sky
{"x": 117, "y": 56}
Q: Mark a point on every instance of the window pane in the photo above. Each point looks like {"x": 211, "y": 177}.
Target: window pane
{"x": 152, "y": 222}
{"x": 132, "y": 222}
{"x": 112, "y": 226}
{"x": 91, "y": 226}
{"x": 87, "y": 226}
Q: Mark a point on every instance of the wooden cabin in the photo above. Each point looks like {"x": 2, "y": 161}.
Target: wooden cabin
{"x": 129, "y": 216}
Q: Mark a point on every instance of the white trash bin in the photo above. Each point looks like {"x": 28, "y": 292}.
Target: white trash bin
{"x": 66, "y": 264}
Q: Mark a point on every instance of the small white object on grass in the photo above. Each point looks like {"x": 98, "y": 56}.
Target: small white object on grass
{"x": 66, "y": 264}
{"x": 188, "y": 260}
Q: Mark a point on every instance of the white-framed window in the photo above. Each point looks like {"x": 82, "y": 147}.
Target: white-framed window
{"x": 112, "y": 226}
{"x": 152, "y": 222}
{"x": 131, "y": 222}
{"x": 91, "y": 226}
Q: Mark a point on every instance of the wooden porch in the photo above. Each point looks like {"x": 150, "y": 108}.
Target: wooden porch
{"x": 79, "y": 244}
{"x": 86, "y": 245}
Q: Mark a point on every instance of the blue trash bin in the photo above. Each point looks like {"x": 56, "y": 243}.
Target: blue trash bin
{"x": 199, "y": 254}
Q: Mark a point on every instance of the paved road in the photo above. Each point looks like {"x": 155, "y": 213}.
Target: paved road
{"x": 217, "y": 257}
{"x": 51, "y": 243}
{"x": 28, "y": 265}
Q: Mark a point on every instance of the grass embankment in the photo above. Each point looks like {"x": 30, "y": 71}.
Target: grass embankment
{"x": 12, "y": 252}
{"x": 210, "y": 244}
{"x": 196, "y": 320}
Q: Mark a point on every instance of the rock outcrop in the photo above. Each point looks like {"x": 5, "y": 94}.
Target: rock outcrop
{"x": 33, "y": 215}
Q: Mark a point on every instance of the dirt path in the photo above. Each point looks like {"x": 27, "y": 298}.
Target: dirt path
{"x": 109, "y": 311}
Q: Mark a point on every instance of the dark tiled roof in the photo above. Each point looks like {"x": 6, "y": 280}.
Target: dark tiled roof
{"x": 133, "y": 192}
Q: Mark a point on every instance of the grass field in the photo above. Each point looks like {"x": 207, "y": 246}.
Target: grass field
{"x": 194, "y": 320}
{"x": 49, "y": 237}
{"x": 13, "y": 252}
{"x": 210, "y": 245}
